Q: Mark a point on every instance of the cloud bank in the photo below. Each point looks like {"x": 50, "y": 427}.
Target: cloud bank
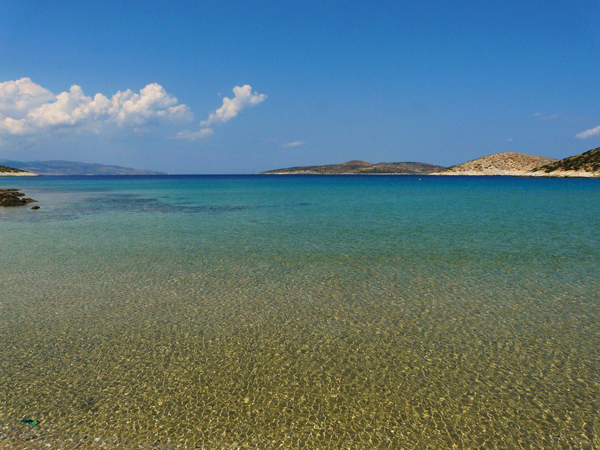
{"x": 28, "y": 110}
{"x": 242, "y": 97}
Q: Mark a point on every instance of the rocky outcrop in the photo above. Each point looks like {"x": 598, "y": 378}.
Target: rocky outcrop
{"x": 12, "y": 197}
{"x": 357, "y": 167}
{"x": 508, "y": 163}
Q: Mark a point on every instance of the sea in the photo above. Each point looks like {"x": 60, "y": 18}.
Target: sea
{"x": 300, "y": 312}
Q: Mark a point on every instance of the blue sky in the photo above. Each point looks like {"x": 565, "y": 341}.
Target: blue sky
{"x": 316, "y": 82}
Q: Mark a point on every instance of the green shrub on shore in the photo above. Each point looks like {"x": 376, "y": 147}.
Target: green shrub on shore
{"x": 587, "y": 161}
{"x": 9, "y": 169}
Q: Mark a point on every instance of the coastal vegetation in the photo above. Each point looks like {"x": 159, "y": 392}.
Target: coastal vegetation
{"x": 6, "y": 171}
{"x": 585, "y": 162}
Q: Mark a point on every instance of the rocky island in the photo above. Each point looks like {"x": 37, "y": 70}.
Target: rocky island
{"x": 357, "y": 167}
{"x": 585, "y": 165}
{"x": 507, "y": 163}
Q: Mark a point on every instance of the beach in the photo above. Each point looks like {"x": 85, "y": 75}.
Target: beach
{"x": 315, "y": 312}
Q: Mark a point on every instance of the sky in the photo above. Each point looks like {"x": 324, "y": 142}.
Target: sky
{"x": 243, "y": 87}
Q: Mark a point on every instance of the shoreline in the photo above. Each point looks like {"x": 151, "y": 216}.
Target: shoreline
{"x": 18, "y": 174}
{"x": 565, "y": 174}
{"x": 562, "y": 174}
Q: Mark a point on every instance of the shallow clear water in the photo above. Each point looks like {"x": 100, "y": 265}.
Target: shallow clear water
{"x": 305, "y": 312}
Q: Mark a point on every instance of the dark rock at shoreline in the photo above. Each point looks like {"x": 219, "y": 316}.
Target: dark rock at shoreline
{"x": 12, "y": 197}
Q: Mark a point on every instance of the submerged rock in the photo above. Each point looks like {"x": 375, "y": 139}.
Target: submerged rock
{"x": 12, "y": 197}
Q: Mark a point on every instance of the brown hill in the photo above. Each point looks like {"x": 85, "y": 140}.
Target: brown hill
{"x": 586, "y": 164}
{"x": 357, "y": 167}
{"x": 508, "y": 163}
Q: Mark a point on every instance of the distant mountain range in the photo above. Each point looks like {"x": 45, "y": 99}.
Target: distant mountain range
{"x": 73, "y": 168}
{"x": 586, "y": 164}
{"x": 360, "y": 167}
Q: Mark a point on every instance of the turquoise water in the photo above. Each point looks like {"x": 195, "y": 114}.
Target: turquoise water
{"x": 301, "y": 312}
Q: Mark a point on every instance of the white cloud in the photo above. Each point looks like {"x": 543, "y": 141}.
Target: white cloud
{"x": 8, "y": 125}
{"x": 27, "y": 108}
{"x": 243, "y": 96}
{"x": 150, "y": 105}
{"x": 194, "y": 135}
{"x": 510, "y": 139}
{"x": 588, "y": 133}
{"x": 293, "y": 144}
{"x": 19, "y": 96}
{"x": 539, "y": 115}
